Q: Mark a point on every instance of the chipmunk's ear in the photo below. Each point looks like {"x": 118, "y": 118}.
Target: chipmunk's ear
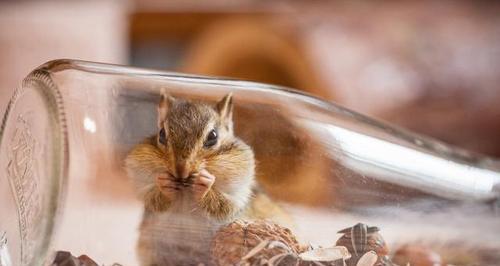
{"x": 225, "y": 109}
{"x": 166, "y": 101}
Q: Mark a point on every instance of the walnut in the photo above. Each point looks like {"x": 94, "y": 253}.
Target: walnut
{"x": 237, "y": 242}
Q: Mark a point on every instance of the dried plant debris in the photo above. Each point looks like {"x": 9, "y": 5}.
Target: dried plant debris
{"x": 266, "y": 243}
{"x": 326, "y": 254}
{"x": 64, "y": 258}
{"x": 262, "y": 242}
{"x": 334, "y": 256}
{"x": 368, "y": 259}
{"x": 360, "y": 239}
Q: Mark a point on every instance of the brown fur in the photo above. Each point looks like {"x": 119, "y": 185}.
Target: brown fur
{"x": 216, "y": 205}
{"x": 174, "y": 220}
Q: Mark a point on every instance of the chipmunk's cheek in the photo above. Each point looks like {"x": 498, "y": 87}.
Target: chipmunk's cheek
{"x": 201, "y": 166}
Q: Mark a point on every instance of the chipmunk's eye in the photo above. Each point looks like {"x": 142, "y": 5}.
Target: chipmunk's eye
{"x": 211, "y": 139}
{"x": 162, "y": 137}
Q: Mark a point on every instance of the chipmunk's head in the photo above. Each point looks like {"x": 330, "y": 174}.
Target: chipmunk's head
{"x": 195, "y": 135}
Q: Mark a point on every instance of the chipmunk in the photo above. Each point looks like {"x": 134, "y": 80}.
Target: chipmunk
{"x": 193, "y": 177}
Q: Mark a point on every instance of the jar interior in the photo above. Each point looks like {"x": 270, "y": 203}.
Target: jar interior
{"x": 326, "y": 167}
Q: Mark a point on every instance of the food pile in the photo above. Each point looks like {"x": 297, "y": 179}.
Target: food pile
{"x": 263, "y": 242}
{"x": 266, "y": 243}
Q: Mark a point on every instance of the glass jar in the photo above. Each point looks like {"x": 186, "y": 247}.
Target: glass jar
{"x": 69, "y": 127}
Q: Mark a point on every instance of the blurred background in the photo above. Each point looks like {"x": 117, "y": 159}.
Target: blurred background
{"x": 429, "y": 66}
{"x": 432, "y": 67}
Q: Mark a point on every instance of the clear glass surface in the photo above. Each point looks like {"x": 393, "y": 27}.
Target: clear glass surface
{"x": 71, "y": 124}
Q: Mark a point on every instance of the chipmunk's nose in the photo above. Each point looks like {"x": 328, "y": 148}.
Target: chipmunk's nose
{"x": 182, "y": 170}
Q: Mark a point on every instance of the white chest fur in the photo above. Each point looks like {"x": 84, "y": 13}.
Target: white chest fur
{"x": 178, "y": 236}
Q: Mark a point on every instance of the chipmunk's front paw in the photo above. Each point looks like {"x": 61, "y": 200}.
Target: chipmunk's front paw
{"x": 167, "y": 186}
{"x": 202, "y": 183}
